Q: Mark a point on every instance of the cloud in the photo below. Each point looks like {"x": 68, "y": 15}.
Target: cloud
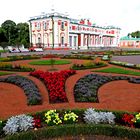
{"x": 122, "y": 13}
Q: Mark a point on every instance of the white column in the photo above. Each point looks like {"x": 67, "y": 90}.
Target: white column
{"x": 82, "y": 39}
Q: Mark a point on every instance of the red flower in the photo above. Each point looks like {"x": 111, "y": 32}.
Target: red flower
{"x": 55, "y": 83}
{"x": 37, "y": 121}
{"x": 127, "y": 119}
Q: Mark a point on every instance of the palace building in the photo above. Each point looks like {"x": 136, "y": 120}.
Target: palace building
{"x": 58, "y": 31}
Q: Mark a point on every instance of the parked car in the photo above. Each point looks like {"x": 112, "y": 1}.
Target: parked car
{"x": 23, "y": 50}
{"x": 34, "y": 49}
{"x": 13, "y": 50}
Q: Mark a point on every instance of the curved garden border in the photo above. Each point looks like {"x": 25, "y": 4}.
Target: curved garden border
{"x": 86, "y": 88}
{"x": 29, "y": 87}
{"x": 75, "y": 130}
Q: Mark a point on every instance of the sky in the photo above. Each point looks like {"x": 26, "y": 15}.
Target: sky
{"x": 120, "y": 13}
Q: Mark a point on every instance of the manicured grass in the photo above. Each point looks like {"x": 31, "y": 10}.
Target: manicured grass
{"x": 5, "y": 73}
{"x": 118, "y": 71}
{"x": 50, "y": 62}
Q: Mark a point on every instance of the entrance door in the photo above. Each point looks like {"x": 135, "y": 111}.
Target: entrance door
{"x": 79, "y": 40}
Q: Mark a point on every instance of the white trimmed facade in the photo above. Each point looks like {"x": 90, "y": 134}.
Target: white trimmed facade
{"x": 57, "y": 31}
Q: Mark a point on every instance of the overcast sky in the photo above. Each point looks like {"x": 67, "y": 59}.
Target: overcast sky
{"x": 121, "y": 13}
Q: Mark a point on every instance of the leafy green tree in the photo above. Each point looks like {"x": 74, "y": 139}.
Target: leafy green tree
{"x": 10, "y": 31}
{"x": 2, "y": 36}
{"x": 135, "y": 34}
{"x": 23, "y": 33}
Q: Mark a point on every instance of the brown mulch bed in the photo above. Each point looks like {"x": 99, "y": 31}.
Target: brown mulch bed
{"x": 117, "y": 95}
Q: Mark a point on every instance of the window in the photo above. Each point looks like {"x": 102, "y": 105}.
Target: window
{"x": 100, "y": 41}
{"x": 44, "y": 25}
{"x": 75, "y": 40}
{"x": 38, "y": 26}
{"x": 39, "y": 40}
{"x": 62, "y": 40}
{"x": 62, "y": 25}
{"x": 70, "y": 40}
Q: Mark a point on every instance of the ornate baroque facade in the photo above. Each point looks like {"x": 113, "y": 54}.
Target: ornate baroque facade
{"x": 57, "y": 31}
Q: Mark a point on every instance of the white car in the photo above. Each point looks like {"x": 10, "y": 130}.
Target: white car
{"x": 33, "y": 49}
{"x": 23, "y": 50}
{"x": 14, "y": 50}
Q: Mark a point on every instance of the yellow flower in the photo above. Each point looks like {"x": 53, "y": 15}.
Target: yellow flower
{"x": 138, "y": 116}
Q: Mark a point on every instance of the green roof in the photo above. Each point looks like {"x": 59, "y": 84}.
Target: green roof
{"x": 130, "y": 38}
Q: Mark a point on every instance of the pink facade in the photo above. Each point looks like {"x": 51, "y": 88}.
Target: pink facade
{"x": 61, "y": 32}
{"x": 129, "y": 42}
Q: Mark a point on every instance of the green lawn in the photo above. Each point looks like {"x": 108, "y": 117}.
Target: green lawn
{"x": 5, "y": 73}
{"x": 50, "y": 62}
{"x": 118, "y": 71}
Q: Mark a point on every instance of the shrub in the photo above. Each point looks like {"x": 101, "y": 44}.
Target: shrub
{"x": 91, "y": 116}
{"x": 17, "y": 124}
{"x": 1, "y": 127}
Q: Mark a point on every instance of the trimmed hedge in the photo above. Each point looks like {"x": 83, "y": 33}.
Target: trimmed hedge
{"x": 74, "y": 130}
{"x": 78, "y": 56}
{"x": 78, "y": 129}
{"x": 88, "y": 66}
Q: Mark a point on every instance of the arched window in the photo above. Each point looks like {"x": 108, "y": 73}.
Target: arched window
{"x": 39, "y": 40}
{"x": 62, "y": 40}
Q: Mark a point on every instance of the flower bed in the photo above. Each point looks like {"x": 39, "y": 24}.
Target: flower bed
{"x": 55, "y": 83}
{"x": 51, "y": 56}
{"x": 22, "y": 57}
{"x": 90, "y": 65}
{"x": 30, "y": 89}
{"x": 125, "y": 64}
{"x": 78, "y": 56}
{"x": 86, "y": 88}
{"x": 11, "y": 67}
{"x": 86, "y": 122}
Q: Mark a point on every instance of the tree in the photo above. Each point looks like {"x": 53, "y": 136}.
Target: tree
{"x": 12, "y": 34}
{"x": 135, "y": 34}
{"x": 2, "y": 36}
{"x": 23, "y": 33}
{"x": 10, "y": 31}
